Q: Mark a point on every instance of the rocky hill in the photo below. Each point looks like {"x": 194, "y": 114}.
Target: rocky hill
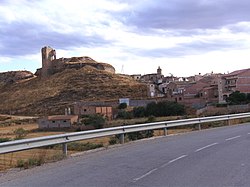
{"x": 15, "y": 76}
{"x": 43, "y": 96}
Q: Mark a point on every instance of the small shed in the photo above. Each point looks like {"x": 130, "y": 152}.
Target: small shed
{"x": 57, "y": 121}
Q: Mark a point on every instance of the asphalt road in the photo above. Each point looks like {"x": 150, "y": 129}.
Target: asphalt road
{"x": 214, "y": 157}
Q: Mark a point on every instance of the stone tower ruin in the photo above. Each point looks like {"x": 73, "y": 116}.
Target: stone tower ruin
{"x": 48, "y": 55}
{"x": 52, "y": 65}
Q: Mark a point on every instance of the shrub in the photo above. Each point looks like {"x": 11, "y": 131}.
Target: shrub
{"x": 139, "y": 112}
{"x": 20, "y": 133}
{"x": 75, "y": 146}
{"x": 151, "y": 119}
{"x": 237, "y": 98}
{"x": 140, "y": 135}
{"x": 4, "y": 140}
{"x": 165, "y": 108}
{"x": 113, "y": 140}
{"x": 30, "y": 162}
{"x": 122, "y": 106}
{"x": 124, "y": 114}
{"x": 97, "y": 121}
{"x": 151, "y": 109}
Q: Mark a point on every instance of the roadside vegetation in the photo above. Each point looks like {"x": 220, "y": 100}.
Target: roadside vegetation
{"x": 161, "y": 111}
{"x": 237, "y": 98}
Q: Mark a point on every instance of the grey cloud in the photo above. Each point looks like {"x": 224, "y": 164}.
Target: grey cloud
{"x": 184, "y": 49}
{"x": 188, "y": 14}
{"x": 26, "y": 38}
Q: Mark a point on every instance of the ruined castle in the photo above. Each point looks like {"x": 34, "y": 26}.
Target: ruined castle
{"x": 52, "y": 65}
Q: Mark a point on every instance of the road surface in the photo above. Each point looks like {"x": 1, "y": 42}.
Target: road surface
{"x": 214, "y": 157}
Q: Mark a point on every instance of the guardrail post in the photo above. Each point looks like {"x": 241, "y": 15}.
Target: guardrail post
{"x": 229, "y": 122}
{"x": 122, "y": 138}
{"x": 65, "y": 149}
{"x": 199, "y": 126}
{"x": 165, "y": 131}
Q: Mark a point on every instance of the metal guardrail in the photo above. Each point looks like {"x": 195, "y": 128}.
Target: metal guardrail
{"x": 19, "y": 145}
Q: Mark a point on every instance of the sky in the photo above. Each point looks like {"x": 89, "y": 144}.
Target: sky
{"x": 183, "y": 37}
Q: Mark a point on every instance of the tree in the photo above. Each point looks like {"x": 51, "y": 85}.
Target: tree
{"x": 122, "y": 106}
{"x": 237, "y": 98}
{"x": 139, "y": 112}
{"x": 96, "y": 120}
{"x": 165, "y": 108}
{"x": 151, "y": 109}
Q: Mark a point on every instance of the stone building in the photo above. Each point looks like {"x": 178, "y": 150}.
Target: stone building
{"x": 155, "y": 78}
{"x": 90, "y": 108}
{"x": 51, "y": 64}
{"x": 58, "y": 121}
{"x": 235, "y": 81}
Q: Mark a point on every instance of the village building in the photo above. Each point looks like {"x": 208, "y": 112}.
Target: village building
{"x": 155, "y": 78}
{"x": 57, "y": 121}
{"x": 136, "y": 77}
{"x": 235, "y": 81}
{"x": 91, "y": 108}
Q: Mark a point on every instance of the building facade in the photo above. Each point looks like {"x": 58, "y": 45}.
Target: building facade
{"x": 58, "y": 121}
{"x": 236, "y": 81}
{"x": 85, "y": 108}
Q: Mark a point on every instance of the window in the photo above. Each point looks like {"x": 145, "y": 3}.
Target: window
{"x": 84, "y": 109}
{"x": 53, "y": 121}
{"x": 64, "y": 121}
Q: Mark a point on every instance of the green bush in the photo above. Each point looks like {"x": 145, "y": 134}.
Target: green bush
{"x": 164, "y": 108}
{"x": 4, "y": 140}
{"x": 124, "y": 114}
{"x": 151, "y": 119}
{"x": 113, "y": 140}
{"x": 139, "y": 112}
{"x": 237, "y": 97}
{"x": 122, "y": 106}
{"x": 97, "y": 121}
{"x": 140, "y": 135}
{"x": 75, "y": 146}
{"x": 30, "y": 162}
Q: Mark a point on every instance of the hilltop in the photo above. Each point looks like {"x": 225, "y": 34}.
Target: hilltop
{"x": 15, "y": 76}
{"x": 42, "y": 96}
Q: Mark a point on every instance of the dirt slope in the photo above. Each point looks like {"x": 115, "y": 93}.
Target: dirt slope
{"x": 38, "y": 96}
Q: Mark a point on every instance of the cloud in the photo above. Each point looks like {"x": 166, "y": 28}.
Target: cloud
{"x": 27, "y": 38}
{"x": 26, "y": 26}
{"x": 188, "y": 14}
{"x": 123, "y": 31}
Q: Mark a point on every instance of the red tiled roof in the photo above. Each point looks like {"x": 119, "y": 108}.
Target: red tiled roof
{"x": 237, "y": 72}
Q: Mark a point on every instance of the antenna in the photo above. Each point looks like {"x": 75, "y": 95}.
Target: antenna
{"x": 122, "y": 70}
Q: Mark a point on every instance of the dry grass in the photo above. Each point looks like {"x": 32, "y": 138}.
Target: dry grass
{"x": 10, "y": 160}
{"x": 50, "y": 96}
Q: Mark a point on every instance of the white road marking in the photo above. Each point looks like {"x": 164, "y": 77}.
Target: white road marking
{"x": 207, "y": 146}
{"x": 146, "y": 174}
{"x": 233, "y": 138}
{"x": 171, "y": 161}
{"x": 153, "y": 170}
